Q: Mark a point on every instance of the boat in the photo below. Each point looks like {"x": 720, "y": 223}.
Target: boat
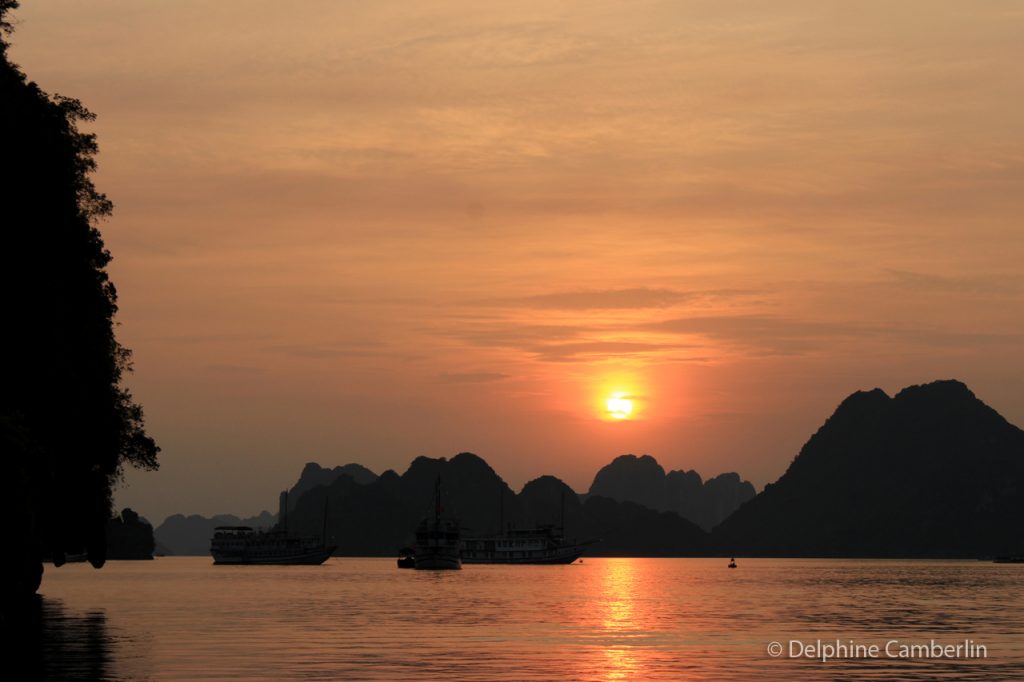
{"x": 438, "y": 540}
{"x": 1013, "y": 559}
{"x": 407, "y": 558}
{"x": 242, "y": 545}
{"x": 540, "y": 545}
{"x": 732, "y": 562}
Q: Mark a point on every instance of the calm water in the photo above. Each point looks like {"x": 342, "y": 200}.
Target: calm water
{"x": 182, "y": 618}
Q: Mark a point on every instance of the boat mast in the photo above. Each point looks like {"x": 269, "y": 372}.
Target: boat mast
{"x": 323, "y": 532}
{"x": 563, "y": 513}
{"x": 282, "y": 511}
{"x": 437, "y": 501}
{"x": 501, "y": 510}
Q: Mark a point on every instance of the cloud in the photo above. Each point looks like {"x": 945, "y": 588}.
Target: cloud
{"x": 471, "y": 377}
{"x": 235, "y": 370}
{"x": 602, "y": 299}
{"x": 597, "y": 350}
{"x": 513, "y": 335}
{"x": 995, "y": 285}
{"x": 784, "y": 335}
{"x": 335, "y": 350}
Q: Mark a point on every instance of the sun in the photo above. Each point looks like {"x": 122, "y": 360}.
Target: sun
{"x": 619, "y": 406}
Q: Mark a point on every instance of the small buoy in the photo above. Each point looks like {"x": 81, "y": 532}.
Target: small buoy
{"x": 732, "y": 562}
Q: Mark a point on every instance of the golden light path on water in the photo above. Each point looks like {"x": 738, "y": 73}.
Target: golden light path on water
{"x": 604, "y": 619}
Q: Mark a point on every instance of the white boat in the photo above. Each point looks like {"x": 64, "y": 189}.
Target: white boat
{"x": 544, "y": 544}
{"x": 243, "y": 545}
{"x": 541, "y": 545}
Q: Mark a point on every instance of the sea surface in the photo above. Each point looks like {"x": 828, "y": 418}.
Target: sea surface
{"x": 182, "y": 618}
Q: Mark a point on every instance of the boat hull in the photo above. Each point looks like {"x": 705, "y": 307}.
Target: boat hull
{"x": 437, "y": 561}
{"x": 561, "y": 557}
{"x": 308, "y": 558}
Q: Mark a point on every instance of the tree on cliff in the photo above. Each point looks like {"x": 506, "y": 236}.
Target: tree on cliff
{"x": 67, "y": 424}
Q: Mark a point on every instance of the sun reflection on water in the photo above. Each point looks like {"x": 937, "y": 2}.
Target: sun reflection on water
{"x": 618, "y": 599}
{"x": 619, "y": 618}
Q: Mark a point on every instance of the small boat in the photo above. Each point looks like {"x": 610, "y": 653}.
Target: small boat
{"x": 407, "y": 558}
{"x": 438, "y": 540}
{"x": 1018, "y": 559}
{"x": 732, "y": 562}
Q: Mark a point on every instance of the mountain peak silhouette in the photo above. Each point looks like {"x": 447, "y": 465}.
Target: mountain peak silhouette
{"x": 644, "y": 481}
{"x": 933, "y": 471}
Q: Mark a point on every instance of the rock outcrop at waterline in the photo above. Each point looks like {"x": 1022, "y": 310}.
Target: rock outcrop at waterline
{"x": 129, "y": 537}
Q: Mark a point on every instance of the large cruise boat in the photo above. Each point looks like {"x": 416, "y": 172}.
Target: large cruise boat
{"x": 243, "y": 545}
{"x": 438, "y": 540}
{"x": 540, "y": 545}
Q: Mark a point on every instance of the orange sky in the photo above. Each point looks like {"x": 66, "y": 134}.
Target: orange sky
{"x": 368, "y": 231}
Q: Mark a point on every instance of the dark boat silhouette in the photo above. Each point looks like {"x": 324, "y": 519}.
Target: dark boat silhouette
{"x": 407, "y": 558}
{"x": 438, "y": 540}
{"x": 540, "y": 545}
{"x": 545, "y": 544}
{"x": 732, "y": 562}
{"x": 241, "y": 545}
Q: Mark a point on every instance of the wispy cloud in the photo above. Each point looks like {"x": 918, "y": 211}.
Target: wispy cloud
{"x": 471, "y": 377}
{"x": 599, "y": 350}
{"x": 602, "y": 299}
{"x": 994, "y": 285}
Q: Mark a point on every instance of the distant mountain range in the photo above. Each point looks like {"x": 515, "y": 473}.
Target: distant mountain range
{"x": 190, "y": 535}
{"x": 380, "y": 517}
{"x": 642, "y": 480}
{"x": 314, "y": 475}
{"x": 932, "y": 472}
{"x": 476, "y": 486}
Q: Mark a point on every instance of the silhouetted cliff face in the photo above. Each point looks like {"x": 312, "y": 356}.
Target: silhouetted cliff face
{"x": 931, "y": 472}
{"x": 644, "y": 481}
{"x": 313, "y": 475}
{"x": 190, "y": 535}
{"x": 637, "y": 479}
{"x": 129, "y": 537}
{"x": 631, "y": 529}
{"x": 378, "y": 518}
{"x": 547, "y": 500}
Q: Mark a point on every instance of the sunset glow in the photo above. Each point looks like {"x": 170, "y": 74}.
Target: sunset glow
{"x": 385, "y": 232}
{"x": 546, "y": 341}
{"x": 619, "y": 406}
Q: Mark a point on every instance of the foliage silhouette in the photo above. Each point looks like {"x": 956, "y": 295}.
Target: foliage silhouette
{"x": 67, "y": 424}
